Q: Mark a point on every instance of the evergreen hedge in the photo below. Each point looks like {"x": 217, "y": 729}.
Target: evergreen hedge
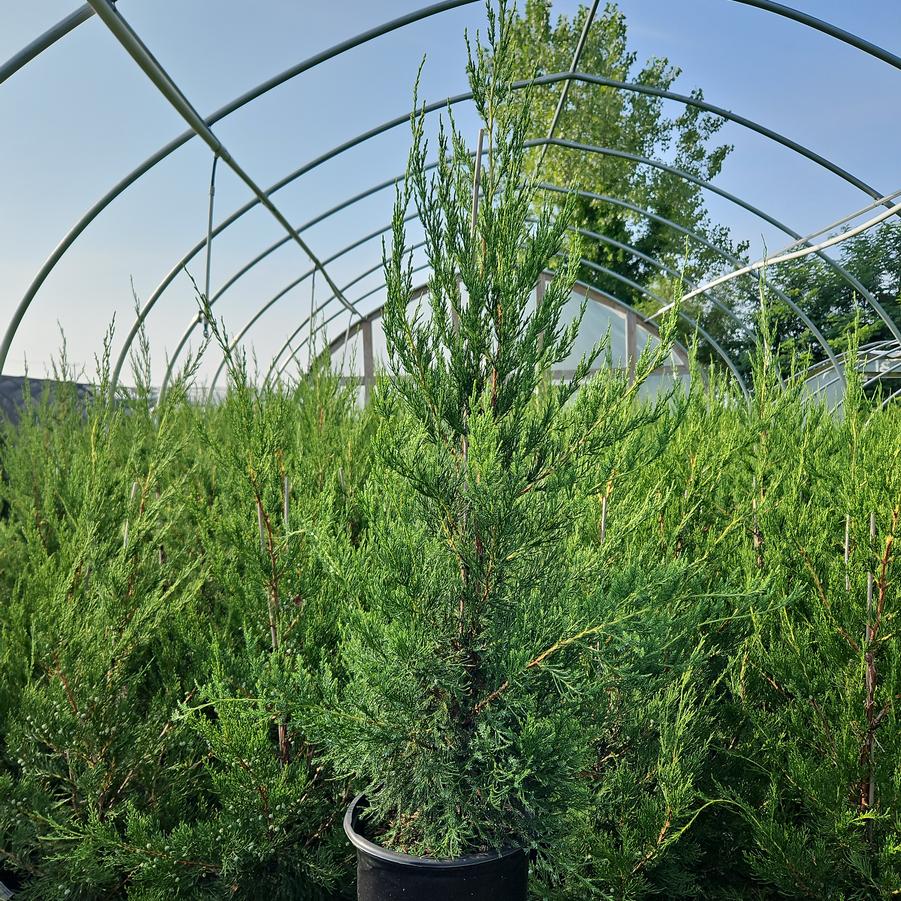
{"x": 741, "y": 735}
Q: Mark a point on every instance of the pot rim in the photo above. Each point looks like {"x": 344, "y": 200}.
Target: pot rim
{"x": 408, "y": 860}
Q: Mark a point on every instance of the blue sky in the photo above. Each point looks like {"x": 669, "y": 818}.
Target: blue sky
{"x": 82, "y": 116}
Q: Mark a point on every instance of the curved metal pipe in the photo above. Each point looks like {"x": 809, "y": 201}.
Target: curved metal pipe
{"x": 548, "y": 79}
{"x": 237, "y": 214}
{"x": 826, "y": 28}
{"x": 163, "y": 82}
{"x": 654, "y": 92}
{"x": 374, "y": 314}
{"x": 70, "y": 22}
{"x": 387, "y": 183}
{"x": 636, "y": 158}
{"x": 195, "y": 321}
{"x": 729, "y": 115}
{"x": 584, "y": 148}
{"x": 161, "y": 154}
{"x": 326, "y": 302}
{"x": 843, "y": 359}
{"x": 891, "y": 396}
{"x": 543, "y": 80}
{"x": 323, "y": 304}
{"x": 36, "y": 47}
{"x": 367, "y": 317}
{"x": 305, "y": 323}
{"x": 679, "y": 173}
{"x": 564, "y": 92}
{"x": 262, "y": 256}
{"x": 693, "y": 323}
{"x": 634, "y": 251}
{"x": 732, "y": 198}
{"x": 734, "y": 260}
{"x": 730, "y": 258}
{"x": 624, "y": 306}
{"x": 827, "y": 349}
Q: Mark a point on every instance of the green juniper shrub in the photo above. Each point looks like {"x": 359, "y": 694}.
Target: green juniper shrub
{"x": 472, "y": 674}
{"x": 656, "y": 643}
{"x": 818, "y": 683}
{"x": 148, "y": 744}
{"x": 690, "y": 705}
{"x": 108, "y": 634}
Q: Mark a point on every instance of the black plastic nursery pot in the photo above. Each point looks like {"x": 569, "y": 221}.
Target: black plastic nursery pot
{"x": 384, "y": 875}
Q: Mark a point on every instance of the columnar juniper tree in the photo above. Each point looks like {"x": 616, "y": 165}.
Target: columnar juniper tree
{"x": 466, "y": 667}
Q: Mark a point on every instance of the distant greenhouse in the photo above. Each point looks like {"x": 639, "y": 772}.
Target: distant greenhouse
{"x": 360, "y": 352}
{"x": 878, "y": 364}
{"x": 16, "y": 391}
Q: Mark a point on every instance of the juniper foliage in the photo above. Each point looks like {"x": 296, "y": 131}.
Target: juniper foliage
{"x": 140, "y": 697}
{"x": 469, "y": 671}
{"x": 656, "y": 642}
{"x": 722, "y": 745}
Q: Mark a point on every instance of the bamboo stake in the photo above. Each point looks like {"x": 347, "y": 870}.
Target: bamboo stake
{"x": 273, "y": 633}
{"x": 474, "y": 216}
{"x": 476, "y": 181}
{"x": 847, "y": 551}
{"x": 260, "y": 527}
{"x": 603, "y": 519}
{"x": 868, "y": 634}
{"x": 131, "y": 500}
{"x": 605, "y": 499}
{"x": 160, "y": 551}
{"x": 286, "y": 501}
{"x": 870, "y": 703}
{"x": 758, "y": 535}
{"x": 266, "y": 549}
